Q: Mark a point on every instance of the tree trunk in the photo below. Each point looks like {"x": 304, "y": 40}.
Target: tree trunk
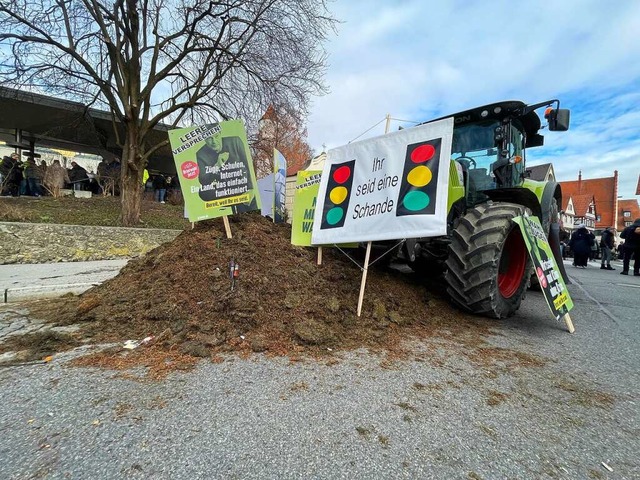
{"x": 131, "y": 179}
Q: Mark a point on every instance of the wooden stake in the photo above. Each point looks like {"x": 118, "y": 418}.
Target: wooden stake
{"x": 388, "y": 124}
{"x": 192, "y": 225}
{"x": 567, "y": 320}
{"x": 319, "y": 255}
{"x": 364, "y": 277}
{"x": 227, "y": 227}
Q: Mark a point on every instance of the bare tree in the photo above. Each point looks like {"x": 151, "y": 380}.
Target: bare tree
{"x": 281, "y": 127}
{"x": 165, "y": 61}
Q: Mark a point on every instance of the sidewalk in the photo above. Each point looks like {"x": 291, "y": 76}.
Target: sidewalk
{"x": 25, "y": 281}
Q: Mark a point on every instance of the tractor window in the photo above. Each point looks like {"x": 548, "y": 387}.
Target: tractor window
{"x": 474, "y": 148}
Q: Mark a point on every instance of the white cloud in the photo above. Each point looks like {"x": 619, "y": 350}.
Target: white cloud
{"x": 419, "y": 60}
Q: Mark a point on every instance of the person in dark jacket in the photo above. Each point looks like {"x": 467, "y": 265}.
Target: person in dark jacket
{"x": 159, "y": 187}
{"x": 33, "y": 176}
{"x": 580, "y": 244}
{"x": 631, "y": 235}
{"x": 606, "y": 246}
{"x": 78, "y": 176}
{"x": 11, "y": 176}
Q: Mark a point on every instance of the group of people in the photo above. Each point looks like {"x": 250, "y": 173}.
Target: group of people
{"x": 28, "y": 178}
{"x": 583, "y": 241}
{"x": 163, "y": 186}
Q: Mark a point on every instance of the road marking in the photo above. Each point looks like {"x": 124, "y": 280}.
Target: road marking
{"x": 628, "y": 285}
{"x": 590, "y": 297}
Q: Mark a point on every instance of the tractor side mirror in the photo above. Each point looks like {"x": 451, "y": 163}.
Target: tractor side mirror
{"x": 558, "y": 119}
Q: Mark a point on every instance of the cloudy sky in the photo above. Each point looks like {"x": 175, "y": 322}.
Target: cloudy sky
{"x": 418, "y": 60}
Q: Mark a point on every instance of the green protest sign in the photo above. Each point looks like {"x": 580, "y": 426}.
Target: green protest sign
{"x": 215, "y": 170}
{"x": 304, "y": 206}
{"x": 551, "y": 281}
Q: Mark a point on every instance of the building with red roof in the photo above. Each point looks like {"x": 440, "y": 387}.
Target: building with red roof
{"x": 604, "y": 192}
{"x": 628, "y": 212}
{"x": 584, "y": 211}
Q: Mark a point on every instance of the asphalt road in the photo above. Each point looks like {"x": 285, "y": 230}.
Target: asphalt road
{"x": 359, "y": 418}
{"x": 26, "y": 281}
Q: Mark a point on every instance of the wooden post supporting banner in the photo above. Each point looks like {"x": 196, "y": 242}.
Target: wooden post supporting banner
{"x": 364, "y": 277}
{"x": 567, "y": 320}
{"x": 319, "y": 255}
{"x": 193, "y": 225}
{"x": 227, "y": 227}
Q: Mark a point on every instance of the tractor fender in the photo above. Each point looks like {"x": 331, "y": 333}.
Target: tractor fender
{"x": 521, "y": 196}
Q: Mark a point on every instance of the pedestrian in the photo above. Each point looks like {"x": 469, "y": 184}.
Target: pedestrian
{"x": 580, "y": 244}
{"x": 78, "y": 176}
{"x": 145, "y": 178}
{"x": 159, "y": 187}
{"x": 631, "y": 235}
{"x": 11, "y": 176}
{"x": 33, "y": 177}
{"x": 606, "y": 245}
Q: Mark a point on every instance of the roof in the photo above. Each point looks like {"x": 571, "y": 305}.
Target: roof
{"x": 529, "y": 119}
{"x": 315, "y": 163}
{"x": 57, "y": 123}
{"x": 627, "y": 206}
{"x": 581, "y": 204}
{"x": 540, "y": 172}
{"x": 604, "y": 190}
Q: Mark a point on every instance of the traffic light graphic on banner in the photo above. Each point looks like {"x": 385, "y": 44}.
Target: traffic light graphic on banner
{"x": 419, "y": 185}
{"x": 338, "y": 193}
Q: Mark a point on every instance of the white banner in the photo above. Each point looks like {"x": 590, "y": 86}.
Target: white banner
{"x": 265, "y": 188}
{"x": 389, "y": 187}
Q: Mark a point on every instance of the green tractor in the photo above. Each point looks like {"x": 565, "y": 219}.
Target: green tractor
{"x": 484, "y": 259}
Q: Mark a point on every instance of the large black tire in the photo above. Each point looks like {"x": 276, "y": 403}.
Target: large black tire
{"x": 488, "y": 265}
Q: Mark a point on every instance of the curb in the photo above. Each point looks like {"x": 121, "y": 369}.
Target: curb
{"x": 44, "y": 291}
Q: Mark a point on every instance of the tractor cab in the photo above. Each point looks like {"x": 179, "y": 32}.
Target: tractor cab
{"x": 489, "y": 144}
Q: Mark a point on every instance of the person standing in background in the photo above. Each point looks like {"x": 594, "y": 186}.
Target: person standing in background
{"x": 33, "y": 177}
{"x": 159, "y": 188}
{"x": 580, "y": 244}
{"x": 606, "y": 245}
{"x": 631, "y": 235}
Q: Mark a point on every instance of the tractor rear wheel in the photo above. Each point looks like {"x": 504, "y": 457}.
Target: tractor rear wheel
{"x": 488, "y": 265}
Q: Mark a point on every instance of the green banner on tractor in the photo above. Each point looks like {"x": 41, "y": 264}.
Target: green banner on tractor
{"x": 546, "y": 269}
{"x": 215, "y": 170}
